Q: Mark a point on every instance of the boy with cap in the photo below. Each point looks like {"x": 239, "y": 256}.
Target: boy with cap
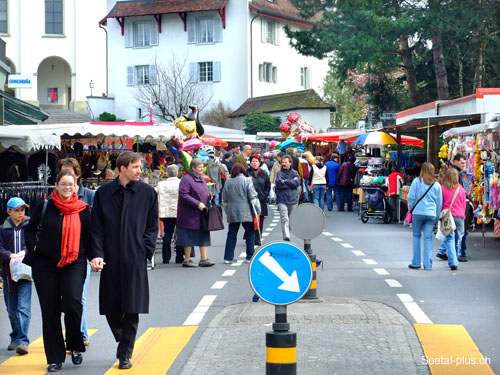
{"x": 17, "y": 295}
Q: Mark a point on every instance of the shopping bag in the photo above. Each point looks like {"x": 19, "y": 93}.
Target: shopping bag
{"x": 19, "y": 270}
{"x": 272, "y": 194}
{"x": 439, "y": 235}
{"x": 446, "y": 222}
{"x": 256, "y": 222}
{"x": 408, "y": 218}
{"x": 211, "y": 219}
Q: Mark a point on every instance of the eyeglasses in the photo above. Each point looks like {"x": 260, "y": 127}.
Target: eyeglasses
{"x": 63, "y": 185}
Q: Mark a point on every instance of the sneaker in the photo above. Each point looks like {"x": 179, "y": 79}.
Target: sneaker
{"x": 12, "y": 345}
{"x": 442, "y": 256}
{"x": 453, "y": 268}
{"x": 189, "y": 263}
{"x": 247, "y": 260}
{"x": 206, "y": 263}
{"x": 22, "y": 349}
{"x": 463, "y": 258}
{"x": 286, "y": 239}
{"x": 412, "y": 267}
{"x": 230, "y": 261}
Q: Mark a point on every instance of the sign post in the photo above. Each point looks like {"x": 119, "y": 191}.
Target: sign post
{"x": 307, "y": 221}
{"x": 280, "y": 273}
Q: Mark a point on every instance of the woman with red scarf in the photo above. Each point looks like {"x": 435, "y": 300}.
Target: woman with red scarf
{"x": 57, "y": 239}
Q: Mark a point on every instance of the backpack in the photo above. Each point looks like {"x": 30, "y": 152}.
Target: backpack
{"x": 446, "y": 221}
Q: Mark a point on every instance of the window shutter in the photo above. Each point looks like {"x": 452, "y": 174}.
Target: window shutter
{"x": 277, "y": 29}
{"x": 129, "y": 37}
{"x": 263, "y": 30}
{"x": 216, "y": 71}
{"x": 193, "y": 72}
{"x": 217, "y": 29}
{"x": 152, "y": 75}
{"x": 154, "y": 33}
{"x": 191, "y": 30}
{"x": 274, "y": 74}
{"x": 197, "y": 38}
{"x": 261, "y": 72}
{"x": 308, "y": 78}
{"x": 130, "y": 76}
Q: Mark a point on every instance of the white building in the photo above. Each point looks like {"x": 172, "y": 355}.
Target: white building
{"x": 57, "y": 47}
{"x": 234, "y": 49}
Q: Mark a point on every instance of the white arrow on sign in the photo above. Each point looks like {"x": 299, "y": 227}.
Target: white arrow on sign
{"x": 290, "y": 282}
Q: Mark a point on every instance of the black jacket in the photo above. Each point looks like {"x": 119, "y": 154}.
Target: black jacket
{"x": 262, "y": 186}
{"x": 48, "y": 246}
{"x": 11, "y": 242}
{"x": 124, "y": 232}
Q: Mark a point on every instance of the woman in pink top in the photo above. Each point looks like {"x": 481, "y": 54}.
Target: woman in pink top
{"x": 454, "y": 240}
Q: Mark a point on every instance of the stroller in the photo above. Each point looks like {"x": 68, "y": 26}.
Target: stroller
{"x": 377, "y": 205}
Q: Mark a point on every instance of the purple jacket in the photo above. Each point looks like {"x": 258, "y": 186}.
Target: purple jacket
{"x": 192, "y": 191}
{"x": 346, "y": 174}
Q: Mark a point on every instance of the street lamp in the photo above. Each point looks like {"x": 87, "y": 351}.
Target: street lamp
{"x": 91, "y": 85}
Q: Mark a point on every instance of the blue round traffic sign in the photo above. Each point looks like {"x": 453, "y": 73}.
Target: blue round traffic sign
{"x": 280, "y": 273}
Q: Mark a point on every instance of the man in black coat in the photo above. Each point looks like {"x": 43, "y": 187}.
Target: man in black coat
{"x": 124, "y": 231}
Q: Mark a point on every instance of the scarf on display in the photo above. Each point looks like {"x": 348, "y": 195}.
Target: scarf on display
{"x": 71, "y": 228}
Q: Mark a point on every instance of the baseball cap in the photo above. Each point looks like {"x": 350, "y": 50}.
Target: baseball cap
{"x": 15, "y": 203}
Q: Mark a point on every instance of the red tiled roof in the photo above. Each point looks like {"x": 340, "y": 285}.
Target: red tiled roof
{"x": 282, "y": 8}
{"x": 146, "y": 8}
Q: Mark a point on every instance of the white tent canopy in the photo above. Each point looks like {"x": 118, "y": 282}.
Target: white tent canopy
{"x": 28, "y": 140}
{"x": 472, "y": 129}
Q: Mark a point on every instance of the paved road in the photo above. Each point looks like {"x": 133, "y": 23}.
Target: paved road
{"x": 181, "y": 296}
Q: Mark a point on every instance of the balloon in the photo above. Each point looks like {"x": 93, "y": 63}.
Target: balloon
{"x": 292, "y": 143}
{"x": 186, "y": 159}
{"x": 285, "y": 127}
{"x": 175, "y": 151}
{"x": 272, "y": 144}
{"x": 191, "y": 144}
{"x": 206, "y": 178}
{"x": 309, "y": 157}
{"x": 292, "y": 117}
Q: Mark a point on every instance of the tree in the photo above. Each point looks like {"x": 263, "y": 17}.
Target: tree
{"x": 171, "y": 91}
{"x": 261, "y": 122}
{"x": 218, "y": 115}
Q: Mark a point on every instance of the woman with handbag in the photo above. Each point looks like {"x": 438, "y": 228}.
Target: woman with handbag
{"x": 240, "y": 200}
{"x": 58, "y": 241}
{"x": 193, "y": 199}
{"x": 425, "y": 200}
{"x": 262, "y": 186}
{"x": 454, "y": 200}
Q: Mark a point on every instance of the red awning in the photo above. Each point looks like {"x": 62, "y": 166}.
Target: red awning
{"x": 213, "y": 140}
{"x": 350, "y": 135}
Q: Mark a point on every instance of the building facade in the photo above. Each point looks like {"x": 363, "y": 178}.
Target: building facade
{"x": 231, "y": 49}
{"x": 57, "y": 48}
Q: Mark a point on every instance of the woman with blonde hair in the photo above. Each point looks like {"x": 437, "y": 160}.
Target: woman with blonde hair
{"x": 424, "y": 201}
{"x": 454, "y": 199}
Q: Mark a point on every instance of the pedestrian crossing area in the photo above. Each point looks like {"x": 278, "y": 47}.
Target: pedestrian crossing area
{"x": 154, "y": 353}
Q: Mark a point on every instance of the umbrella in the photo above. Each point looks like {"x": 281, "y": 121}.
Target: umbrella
{"x": 375, "y": 138}
{"x": 213, "y": 140}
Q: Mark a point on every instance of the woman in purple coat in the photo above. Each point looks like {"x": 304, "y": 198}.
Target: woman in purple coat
{"x": 193, "y": 199}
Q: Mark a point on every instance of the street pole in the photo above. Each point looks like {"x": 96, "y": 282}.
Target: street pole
{"x": 281, "y": 346}
{"x": 311, "y": 293}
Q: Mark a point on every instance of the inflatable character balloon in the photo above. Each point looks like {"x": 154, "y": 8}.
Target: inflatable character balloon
{"x": 190, "y": 130}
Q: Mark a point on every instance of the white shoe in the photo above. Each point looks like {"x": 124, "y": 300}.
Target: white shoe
{"x": 230, "y": 261}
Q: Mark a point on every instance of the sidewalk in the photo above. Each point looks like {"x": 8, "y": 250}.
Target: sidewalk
{"x": 334, "y": 336}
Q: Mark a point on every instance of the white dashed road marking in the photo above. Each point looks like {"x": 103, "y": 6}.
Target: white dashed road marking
{"x": 393, "y": 283}
{"x": 228, "y": 273}
{"x": 381, "y": 271}
{"x": 237, "y": 264}
{"x": 327, "y": 234}
{"x": 346, "y": 245}
{"x": 358, "y": 253}
{"x": 219, "y": 285}
{"x": 369, "y": 261}
{"x": 336, "y": 239}
{"x": 414, "y": 309}
{"x": 199, "y": 312}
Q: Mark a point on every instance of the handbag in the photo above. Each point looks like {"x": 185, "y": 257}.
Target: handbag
{"x": 446, "y": 221}
{"x": 256, "y": 222}
{"x": 19, "y": 270}
{"x": 211, "y": 217}
{"x": 409, "y": 214}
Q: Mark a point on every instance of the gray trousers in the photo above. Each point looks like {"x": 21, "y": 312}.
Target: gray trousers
{"x": 285, "y": 211}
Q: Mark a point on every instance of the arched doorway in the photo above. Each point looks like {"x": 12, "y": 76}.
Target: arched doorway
{"x": 54, "y": 83}
{"x": 12, "y": 71}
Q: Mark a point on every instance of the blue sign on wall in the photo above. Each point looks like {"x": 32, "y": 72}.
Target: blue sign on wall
{"x": 280, "y": 273}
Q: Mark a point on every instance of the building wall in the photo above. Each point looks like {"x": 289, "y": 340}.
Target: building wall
{"x": 233, "y": 53}
{"x": 82, "y": 45}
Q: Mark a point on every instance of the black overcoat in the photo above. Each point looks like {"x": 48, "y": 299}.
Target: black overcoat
{"x": 124, "y": 232}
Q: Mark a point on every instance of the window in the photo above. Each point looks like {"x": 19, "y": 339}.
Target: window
{"x": 3, "y": 17}
{"x": 53, "y": 16}
{"x": 269, "y": 31}
{"x": 141, "y": 34}
{"x": 205, "y": 30}
{"x": 305, "y": 77}
{"x": 268, "y": 73}
{"x": 206, "y": 71}
{"x": 141, "y": 75}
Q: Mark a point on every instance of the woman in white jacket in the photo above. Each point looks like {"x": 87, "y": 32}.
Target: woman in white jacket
{"x": 168, "y": 195}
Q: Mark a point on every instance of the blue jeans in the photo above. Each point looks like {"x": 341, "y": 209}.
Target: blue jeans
{"x": 85, "y": 333}
{"x": 249, "y": 237}
{"x": 217, "y": 196}
{"x": 306, "y": 189}
{"x": 18, "y": 303}
{"x": 459, "y": 246}
{"x": 329, "y": 198}
{"x": 453, "y": 242}
{"x": 426, "y": 224}
{"x": 345, "y": 193}
{"x": 319, "y": 195}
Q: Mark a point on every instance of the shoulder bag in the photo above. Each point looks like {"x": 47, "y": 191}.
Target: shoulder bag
{"x": 211, "y": 217}
{"x": 446, "y": 221}
{"x": 409, "y": 214}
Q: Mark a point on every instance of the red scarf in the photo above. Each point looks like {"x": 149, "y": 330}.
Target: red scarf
{"x": 71, "y": 228}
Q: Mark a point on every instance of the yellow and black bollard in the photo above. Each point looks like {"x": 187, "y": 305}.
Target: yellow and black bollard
{"x": 311, "y": 293}
{"x": 281, "y": 346}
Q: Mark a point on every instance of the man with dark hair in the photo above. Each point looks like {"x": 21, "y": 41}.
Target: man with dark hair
{"x": 124, "y": 231}
{"x": 459, "y": 163}
{"x": 333, "y": 167}
{"x": 287, "y": 195}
